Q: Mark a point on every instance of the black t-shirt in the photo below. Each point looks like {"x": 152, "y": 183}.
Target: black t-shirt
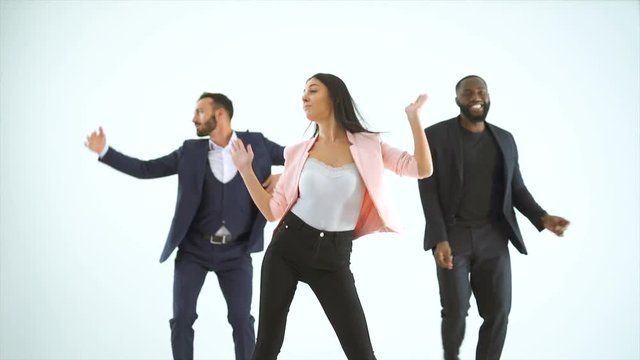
{"x": 483, "y": 180}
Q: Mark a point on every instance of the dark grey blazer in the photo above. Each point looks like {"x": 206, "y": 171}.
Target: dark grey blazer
{"x": 441, "y": 193}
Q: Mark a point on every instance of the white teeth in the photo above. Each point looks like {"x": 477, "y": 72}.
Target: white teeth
{"x": 477, "y": 106}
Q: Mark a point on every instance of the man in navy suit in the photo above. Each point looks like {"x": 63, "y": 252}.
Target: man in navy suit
{"x": 216, "y": 225}
{"x": 468, "y": 206}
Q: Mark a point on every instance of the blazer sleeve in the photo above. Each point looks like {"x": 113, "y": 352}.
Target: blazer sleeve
{"x": 399, "y": 161}
{"x": 278, "y": 202}
{"x": 143, "y": 169}
{"x": 436, "y": 229}
{"x": 276, "y": 152}
{"x": 522, "y": 198}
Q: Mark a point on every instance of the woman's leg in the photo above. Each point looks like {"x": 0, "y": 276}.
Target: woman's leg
{"x": 277, "y": 286}
{"x": 337, "y": 294}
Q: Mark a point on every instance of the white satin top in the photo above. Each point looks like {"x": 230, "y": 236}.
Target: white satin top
{"x": 330, "y": 198}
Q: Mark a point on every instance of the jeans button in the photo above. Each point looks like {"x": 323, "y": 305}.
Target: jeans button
{"x": 322, "y": 234}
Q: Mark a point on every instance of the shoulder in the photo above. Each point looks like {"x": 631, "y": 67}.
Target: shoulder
{"x": 192, "y": 146}
{"x": 194, "y": 143}
{"x": 365, "y": 139}
{"x": 441, "y": 126}
{"x": 367, "y": 136}
{"x": 296, "y": 149}
{"x": 441, "y": 132}
{"x": 249, "y": 135}
{"x": 255, "y": 138}
{"x": 498, "y": 131}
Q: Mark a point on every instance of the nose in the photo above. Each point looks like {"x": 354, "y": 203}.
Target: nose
{"x": 477, "y": 96}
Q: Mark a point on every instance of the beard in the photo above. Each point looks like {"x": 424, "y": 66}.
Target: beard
{"x": 208, "y": 126}
{"x": 466, "y": 111}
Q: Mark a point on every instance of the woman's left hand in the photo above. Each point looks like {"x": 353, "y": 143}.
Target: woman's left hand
{"x": 413, "y": 109}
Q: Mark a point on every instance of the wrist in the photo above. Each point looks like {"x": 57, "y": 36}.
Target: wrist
{"x": 413, "y": 118}
{"x": 416, "y": 125}
{"x": 244, "y": 171}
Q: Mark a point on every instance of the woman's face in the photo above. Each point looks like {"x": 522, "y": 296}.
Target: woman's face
{"x": 316, "y": 101}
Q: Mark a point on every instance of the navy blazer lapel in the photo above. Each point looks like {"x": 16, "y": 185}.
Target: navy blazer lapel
{"x": 191, "y": 171}
{"x": 199, "y": 160}
{"x": 456, "y": 140}
{"x": 203, "y": 151}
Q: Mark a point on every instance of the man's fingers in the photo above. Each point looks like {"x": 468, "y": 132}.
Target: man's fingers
{"x": 439, "y": 259}
{"x": 560, "y": 227}
{"x": 444, "y": 260}
{"x": 449, "y": 262}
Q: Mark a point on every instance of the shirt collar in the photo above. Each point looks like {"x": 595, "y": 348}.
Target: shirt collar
{"x": 213, "y": 146}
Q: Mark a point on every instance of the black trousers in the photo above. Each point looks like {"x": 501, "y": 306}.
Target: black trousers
{"x": 299, "y": 252}
{"x": 233, "y": 268}
{"x": 481, "y": 265}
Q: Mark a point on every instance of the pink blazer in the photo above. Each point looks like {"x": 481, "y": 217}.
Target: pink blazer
{"x": 371, "y": 157}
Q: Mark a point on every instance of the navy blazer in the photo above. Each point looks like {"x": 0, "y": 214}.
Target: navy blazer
{"x": 441, "y": 193}
{"x": 190, "y": 162}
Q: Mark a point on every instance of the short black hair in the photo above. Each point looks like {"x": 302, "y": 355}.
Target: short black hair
{"x": 469, "y": 77}
{"x": 219, "y": 100}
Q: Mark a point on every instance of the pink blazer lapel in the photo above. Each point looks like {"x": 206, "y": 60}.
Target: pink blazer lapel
{"x": 366, "y": 154}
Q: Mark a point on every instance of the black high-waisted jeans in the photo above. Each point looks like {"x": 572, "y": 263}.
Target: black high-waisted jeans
{"x": 299, "y": 252}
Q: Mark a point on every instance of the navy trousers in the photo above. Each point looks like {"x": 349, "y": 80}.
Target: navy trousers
{"x": 234, "y": 270}
{"x": 481, "y": 264}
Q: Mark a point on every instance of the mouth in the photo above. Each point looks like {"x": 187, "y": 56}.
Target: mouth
{"x": 477, "y": 108}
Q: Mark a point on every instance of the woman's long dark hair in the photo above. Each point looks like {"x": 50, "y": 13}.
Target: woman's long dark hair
{"x": 344, "y": 108}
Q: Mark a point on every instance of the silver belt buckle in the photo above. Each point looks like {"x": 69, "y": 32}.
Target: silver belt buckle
{"x": 218, "y": 242}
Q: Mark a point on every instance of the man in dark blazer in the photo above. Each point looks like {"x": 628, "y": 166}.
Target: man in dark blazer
{"x": 468, "y": 207}
{"x": 216, "y": 225}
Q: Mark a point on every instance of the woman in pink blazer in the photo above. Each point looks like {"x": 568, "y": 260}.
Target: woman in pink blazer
{"x": 331, "y": 192}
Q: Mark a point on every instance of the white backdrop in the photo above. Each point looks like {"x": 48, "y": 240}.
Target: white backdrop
{"x": 80, "y": 242}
